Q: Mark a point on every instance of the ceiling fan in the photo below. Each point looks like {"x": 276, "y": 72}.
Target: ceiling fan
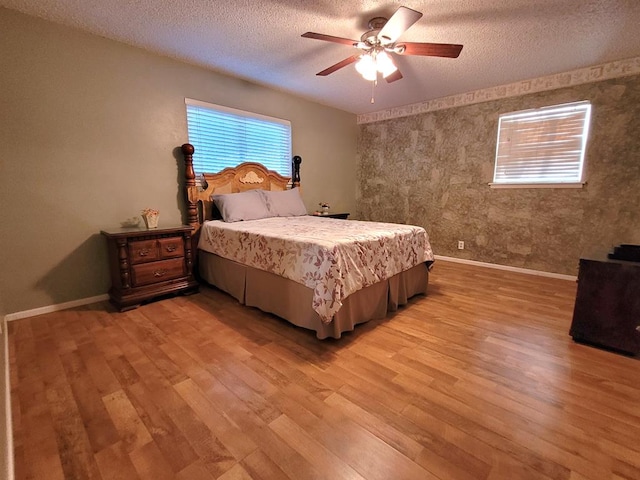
{"x": 381, "y": 40}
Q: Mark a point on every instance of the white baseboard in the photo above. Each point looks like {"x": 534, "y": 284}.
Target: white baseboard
{"x": 54, "y": 308}
{"x": 8, "y": 422}
{"x": 508, "y": 268}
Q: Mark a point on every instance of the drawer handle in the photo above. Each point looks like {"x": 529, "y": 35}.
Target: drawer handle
{"x": 144, "y": 252}
{"x": 171, "y": 248}
{"x": 159, "y": 273}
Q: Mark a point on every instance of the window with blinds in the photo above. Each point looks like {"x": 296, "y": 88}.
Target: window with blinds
{"x": 542, "y": 147}
{"x": 225, "y": 137}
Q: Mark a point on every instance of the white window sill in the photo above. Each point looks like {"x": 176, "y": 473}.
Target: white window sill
{"x": 537, "y": 185}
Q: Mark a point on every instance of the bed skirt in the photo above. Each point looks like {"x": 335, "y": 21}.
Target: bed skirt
{"x": 292, "y": 301}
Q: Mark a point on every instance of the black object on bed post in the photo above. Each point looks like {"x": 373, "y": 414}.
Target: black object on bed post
{"x": 296, "y": 171}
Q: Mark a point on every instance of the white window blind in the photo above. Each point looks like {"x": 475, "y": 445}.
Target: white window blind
{"x": 225, "y": 137}
{"x": 542, "y": 146}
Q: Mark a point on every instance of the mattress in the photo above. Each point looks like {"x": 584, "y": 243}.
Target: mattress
{"x": 333, "y": 258}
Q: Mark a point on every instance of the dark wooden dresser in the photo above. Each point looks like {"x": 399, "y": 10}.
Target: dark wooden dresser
{"x": 607, "y": 309}
{"x": 146, "y": 263}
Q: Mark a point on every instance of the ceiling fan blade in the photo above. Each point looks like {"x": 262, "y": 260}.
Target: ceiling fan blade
{"x": 398, "y": 24}
{"x": 449, "y": 50}
{"x": 338, "y": 66}
{"x": 329, "y": 38}
{"x": 393, "y": 77}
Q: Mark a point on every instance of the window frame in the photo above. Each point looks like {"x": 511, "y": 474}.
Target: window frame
{"x": 546, "y": 114}
{"x": 235, "y": 115}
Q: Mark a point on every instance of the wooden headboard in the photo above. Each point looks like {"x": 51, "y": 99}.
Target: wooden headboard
{"x": 246, "y": 176}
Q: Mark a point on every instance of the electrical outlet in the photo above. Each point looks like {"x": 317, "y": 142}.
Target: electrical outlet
{"x": 460, "y": 245}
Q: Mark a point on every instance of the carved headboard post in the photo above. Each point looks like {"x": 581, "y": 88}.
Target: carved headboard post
{"x": 295, "y": 181}
{"x": 190, "y": 186}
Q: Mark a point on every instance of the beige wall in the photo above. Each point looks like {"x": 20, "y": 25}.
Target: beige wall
{"x": 433, "y": 170}
{"x": 89, "y": 130}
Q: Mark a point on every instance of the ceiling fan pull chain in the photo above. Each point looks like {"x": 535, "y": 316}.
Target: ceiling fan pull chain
{"x": 373, "y": 89}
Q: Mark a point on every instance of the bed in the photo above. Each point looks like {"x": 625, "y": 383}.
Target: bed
{"x": 322, "y": 274}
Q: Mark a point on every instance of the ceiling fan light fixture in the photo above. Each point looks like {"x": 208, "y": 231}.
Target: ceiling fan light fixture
{"x": 384, "y": 64}
{"x": 371, "y": 63}
{"x": 366, "y": 66}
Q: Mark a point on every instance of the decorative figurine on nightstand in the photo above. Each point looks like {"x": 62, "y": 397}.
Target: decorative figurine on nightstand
{"x": 150, "y": 217}
{"x": 325, "y": 208}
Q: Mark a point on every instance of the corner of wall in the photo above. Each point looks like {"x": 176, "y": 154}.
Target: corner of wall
{"x": 6, "y": 428}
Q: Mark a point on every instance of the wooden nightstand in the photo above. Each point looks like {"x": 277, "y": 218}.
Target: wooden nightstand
{"x": 341, "y": 216}
{"x": 146, "y": 263}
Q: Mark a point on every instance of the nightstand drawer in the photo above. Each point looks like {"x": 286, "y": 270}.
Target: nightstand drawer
{"x": 171, "y": 247}
{"x": 143, "y": 251}
{"x": 155, "y": 272}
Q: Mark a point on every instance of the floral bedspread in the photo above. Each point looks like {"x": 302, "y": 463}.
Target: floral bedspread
{"x": 333, "y": 257}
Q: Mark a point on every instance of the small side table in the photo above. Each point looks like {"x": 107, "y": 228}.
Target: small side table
{"x": 341, "y": 216}
{"x": 146, "y": 263}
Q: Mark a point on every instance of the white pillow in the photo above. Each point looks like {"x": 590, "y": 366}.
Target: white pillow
{"x": 286, "y": 203}
{"x": 236, "y": 207}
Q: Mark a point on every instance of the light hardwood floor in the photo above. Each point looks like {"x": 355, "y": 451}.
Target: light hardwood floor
{"x": 477, "y": 380}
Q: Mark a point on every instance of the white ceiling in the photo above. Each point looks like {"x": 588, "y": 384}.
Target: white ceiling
{"x": 504, "y": 40}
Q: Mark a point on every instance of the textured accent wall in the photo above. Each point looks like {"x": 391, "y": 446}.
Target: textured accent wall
{"x": 433, "y": 170}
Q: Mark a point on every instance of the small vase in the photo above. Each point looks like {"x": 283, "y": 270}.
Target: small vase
{"x": 151, "y": 221}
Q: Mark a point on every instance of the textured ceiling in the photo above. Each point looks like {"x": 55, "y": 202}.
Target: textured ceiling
{"x": 504, "y": 40}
